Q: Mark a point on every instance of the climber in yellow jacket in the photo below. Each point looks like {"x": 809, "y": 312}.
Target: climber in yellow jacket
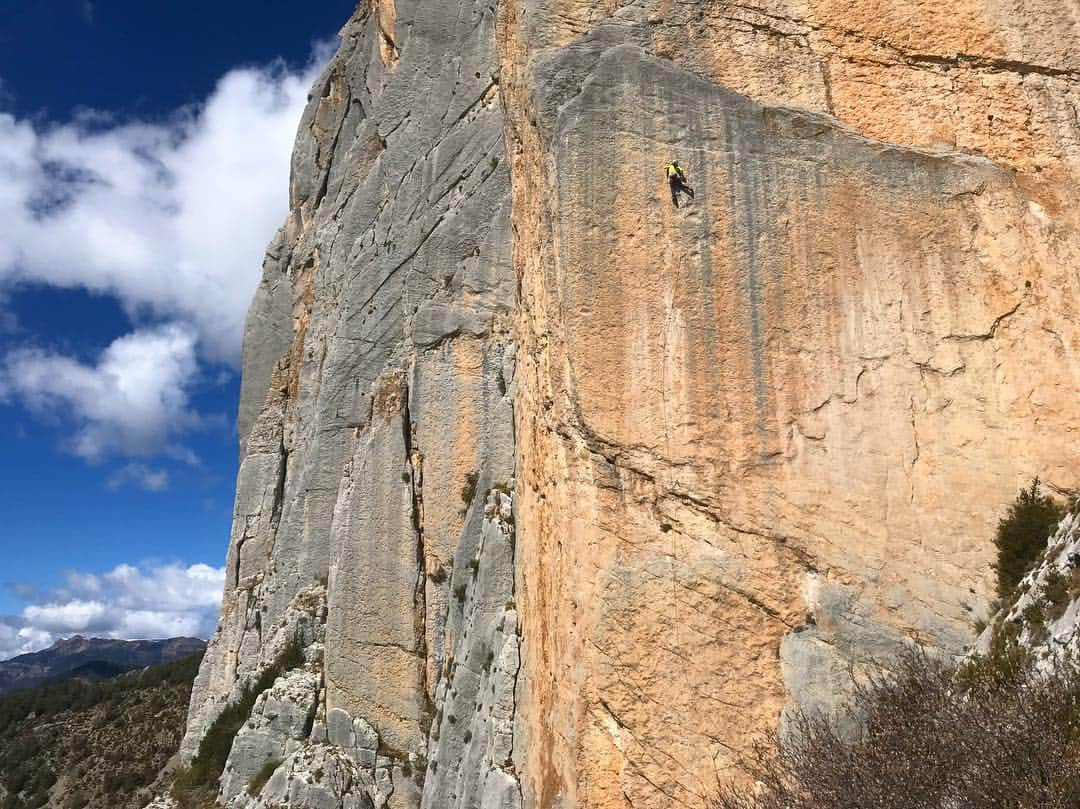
{"x": 677, "y": 180}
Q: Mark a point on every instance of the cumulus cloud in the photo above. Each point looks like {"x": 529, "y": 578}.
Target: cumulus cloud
{"x": 128, "y": 602}
{"x": 172, "y": 218}
{"x": 133, "y": 401}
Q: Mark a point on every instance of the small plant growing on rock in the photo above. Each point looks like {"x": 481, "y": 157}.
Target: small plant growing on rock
{"x": 1034, "y": 615}
{"x": 1055, "y": 591}
{"x": 468, "y": 490}
{"x": 258, "y": 781}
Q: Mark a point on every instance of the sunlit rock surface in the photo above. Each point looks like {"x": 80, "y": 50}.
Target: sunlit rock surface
{"x": 568, "y": 493}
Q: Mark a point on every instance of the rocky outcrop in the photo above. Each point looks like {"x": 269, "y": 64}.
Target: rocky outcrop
{"x": 568, "y": 492}
{"x": 281, "y": 721}
{"x": 1043, "y": 618}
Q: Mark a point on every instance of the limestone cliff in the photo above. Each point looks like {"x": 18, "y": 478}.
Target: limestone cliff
{"x": 376, "y": 416}
{"x": 567, "y": 493}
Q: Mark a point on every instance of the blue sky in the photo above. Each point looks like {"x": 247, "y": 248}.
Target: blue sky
{"x": 144, "y": 154}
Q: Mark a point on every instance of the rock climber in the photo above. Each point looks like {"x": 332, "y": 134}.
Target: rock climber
{"x": 677, "y": 180}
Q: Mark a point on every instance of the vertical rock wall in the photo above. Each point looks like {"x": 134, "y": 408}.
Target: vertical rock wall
{"x": 763, "y": 438}
{"x": 566, "y": 493}
{"x": 376, "y": 416}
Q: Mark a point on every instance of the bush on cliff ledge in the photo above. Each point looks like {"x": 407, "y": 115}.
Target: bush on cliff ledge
{"x": 978, "y": 736}
{"x": 1021, "y": 536}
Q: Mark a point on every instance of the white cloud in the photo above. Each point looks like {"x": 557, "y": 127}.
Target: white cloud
{"x": 133, "y": 401}
{"x": 140, "y": 476}
{"x": 128, "y": 602}
{"x": 171, "y": 218}
{"x": 164, "y": 587}
{"x": 74, "y": 616}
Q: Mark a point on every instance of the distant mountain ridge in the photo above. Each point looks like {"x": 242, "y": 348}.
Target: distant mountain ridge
{"x": 91, "y": 659}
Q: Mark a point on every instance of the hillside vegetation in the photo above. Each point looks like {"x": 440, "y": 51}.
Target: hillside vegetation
{"x": 100, "y": 745}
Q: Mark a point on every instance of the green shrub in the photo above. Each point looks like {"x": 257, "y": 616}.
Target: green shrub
{"x": 1055, "y": 588}
{"x": 1033, "y": 614}
{"x": 468, "y": 490}
{"x": 1021, "y": 536}
{"x": 258, "y": 781}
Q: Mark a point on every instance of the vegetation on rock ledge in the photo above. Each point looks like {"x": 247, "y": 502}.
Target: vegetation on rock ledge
{"x": 196, "y": 785}
{"x": 989, "y": 733}
{"x": 1021, "y": 536}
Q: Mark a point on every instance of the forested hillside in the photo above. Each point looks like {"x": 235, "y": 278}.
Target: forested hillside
{"x": 100, "y": 745}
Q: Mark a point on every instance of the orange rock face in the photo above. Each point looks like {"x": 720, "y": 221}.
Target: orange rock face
{"x": 763, "y": 438}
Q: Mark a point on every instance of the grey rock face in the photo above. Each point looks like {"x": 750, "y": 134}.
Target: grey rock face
{"x": 316, "y": 777}
{"x": 280, "y": 721}
{"x": 376, "y": 413}
{"x": 822, "y": 661}
{"x": 471, "y": 746}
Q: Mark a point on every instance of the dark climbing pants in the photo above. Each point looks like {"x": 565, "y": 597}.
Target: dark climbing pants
{"x": 679, "y": 184}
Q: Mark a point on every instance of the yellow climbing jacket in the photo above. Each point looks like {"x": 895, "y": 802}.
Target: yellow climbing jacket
{"x": 673, "y": 171}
